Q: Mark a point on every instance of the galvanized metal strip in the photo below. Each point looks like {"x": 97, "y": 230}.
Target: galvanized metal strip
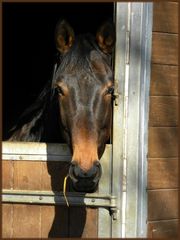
{"x": 57, "y": 198}
{"x": 132, "y": 76}
{"x": 104, "y": 219}
{"x": 118, "y": 114}
{"x": 31, "y": 151}
{"x": 146, "y": 35}
{"x": 35, "y": 148}
{"x": 137, "y": 106}
{"x": 34, "y": 157}
{"x": 133, "y": 122}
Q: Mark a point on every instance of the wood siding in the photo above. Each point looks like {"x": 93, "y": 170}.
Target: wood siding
{"x": 163, "y": 124}
{"x": 18, "y": 220}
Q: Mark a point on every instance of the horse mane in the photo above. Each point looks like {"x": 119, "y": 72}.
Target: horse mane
{"x": 29, "y": 126}
{"x": 33, "y": 124}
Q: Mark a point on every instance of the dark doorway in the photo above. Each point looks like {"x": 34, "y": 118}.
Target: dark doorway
{"x": 29, "y": 50}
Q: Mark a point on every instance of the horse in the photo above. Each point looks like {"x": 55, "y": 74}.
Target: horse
{"x": 76, "y": 103}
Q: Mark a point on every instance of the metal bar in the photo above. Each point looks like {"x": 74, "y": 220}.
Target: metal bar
{"x": 144, "y": 116}
{"x": 118, "y": 113}
{"x": 132, "y": 77}
{"x": 139, "y": 77}
{"x": 34, "y": 157}
{"x": 31, "y": 151}
{"x": 57, "y": 198}
{"x": 133, "y": 121}
{"x": 35, "y": 148}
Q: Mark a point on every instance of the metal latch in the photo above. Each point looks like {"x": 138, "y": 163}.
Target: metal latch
{"x": 115, "y": 98}
{"x": 57, "y": 198}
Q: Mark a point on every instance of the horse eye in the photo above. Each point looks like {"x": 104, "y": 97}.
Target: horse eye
{"x": 110, "y": 90}
{"x": 59, "y": 90}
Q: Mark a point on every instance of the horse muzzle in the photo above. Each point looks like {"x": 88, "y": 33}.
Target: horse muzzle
{"x": 85, "y": 181}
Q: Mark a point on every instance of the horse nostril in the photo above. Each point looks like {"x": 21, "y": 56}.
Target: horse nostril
{"x": 74, "y": 163}
{"x": 76, "y": 173}
{"x": 97, "y": 163}
{"x": 98, "y": 170}
{"x": 72, "y": 172}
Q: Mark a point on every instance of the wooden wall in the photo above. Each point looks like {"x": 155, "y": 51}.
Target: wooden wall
{"x": 163, "y": 121}
{"x": 42, "y": 221}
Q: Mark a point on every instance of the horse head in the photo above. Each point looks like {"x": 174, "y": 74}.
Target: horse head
{"x": 84, "y": 85}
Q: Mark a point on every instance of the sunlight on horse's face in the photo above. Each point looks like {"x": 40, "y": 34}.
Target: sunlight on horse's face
{"x": 85, "y": 84}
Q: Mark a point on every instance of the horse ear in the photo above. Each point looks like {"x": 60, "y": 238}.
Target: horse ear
{"x": 105, "y": 37}
{"x": 64, "y": 36}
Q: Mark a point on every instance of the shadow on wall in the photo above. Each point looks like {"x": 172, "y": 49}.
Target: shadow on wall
{"x": 68, "y": 221}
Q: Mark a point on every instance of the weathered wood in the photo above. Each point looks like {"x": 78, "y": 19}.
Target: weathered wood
{"x": 162, "y": 173}
{"x": 164, "y": 80}
{"x": 163, "y": 111}
{"x": 91, "y": 226}
{"x": 49, "y": 175}
{"x": 26, "y": 221}
{"x": 162, "y": 204}
{"x": 165, "y": 17}
{"x": 33, "y": 221}
{"x": 163, "y": 142}
{"x": 163, "y": 229}
{"x": 165, "y": 48}
{"x": 7, "y": 221}
{"x": 27, "y": 176}
{"x": 34, "y": 175}
{"x": 7, "y": 174}
{"x": 84, "y": 226}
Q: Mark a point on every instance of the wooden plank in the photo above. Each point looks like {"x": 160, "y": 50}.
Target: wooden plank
{"x": 163, "y": 142}
{"x": 165, "y": 17}
{"x": 162, "y": 173}
{"x": 163, "y": 111}
{"x": 54, "y": 222}
{"x": 7, "y": 174}
{"x": 26, "y": 221}
{"x": 34, "y": 175}
{"x": 7, "y": 220}
{"x": 162, "y": 204}
{"x": 85, "y": 225}
{"x": 163, "y": 229}
{"x": 165, "y": 48}
{"x": 164, "y": 80}
{"x": 91, "y": 224}
{"x": 27, "y": 176}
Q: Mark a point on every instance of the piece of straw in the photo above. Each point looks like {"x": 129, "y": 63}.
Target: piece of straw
{"x": 64, "y": 189}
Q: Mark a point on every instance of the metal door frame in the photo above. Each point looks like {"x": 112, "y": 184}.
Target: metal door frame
{"x": 130, "y": 121}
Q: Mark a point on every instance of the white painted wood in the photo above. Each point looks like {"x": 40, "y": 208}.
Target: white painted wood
{"x": 31, "y": 151}
{"x": 35, "y": 148}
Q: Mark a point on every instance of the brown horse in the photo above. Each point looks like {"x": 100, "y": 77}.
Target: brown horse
{"x": 77, "y": 103}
